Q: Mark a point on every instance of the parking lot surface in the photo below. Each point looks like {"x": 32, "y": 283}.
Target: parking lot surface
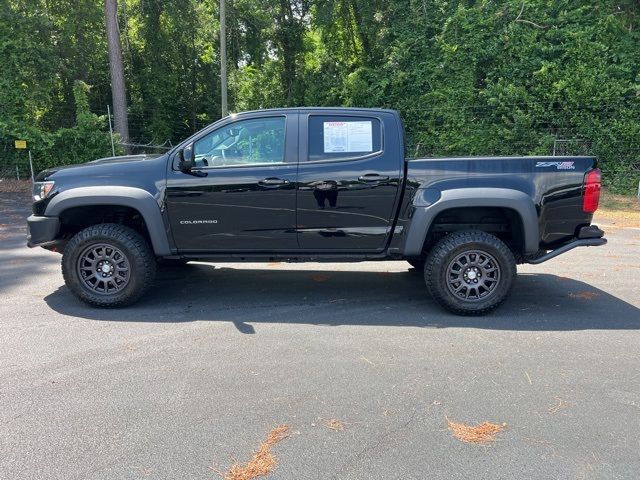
{"x": 356, "y": 358}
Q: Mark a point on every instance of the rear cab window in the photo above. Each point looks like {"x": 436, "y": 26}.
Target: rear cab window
{"x": 342, "y": 137}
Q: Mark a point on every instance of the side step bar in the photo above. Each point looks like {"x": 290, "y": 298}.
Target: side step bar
{"x": 590, "y": 236}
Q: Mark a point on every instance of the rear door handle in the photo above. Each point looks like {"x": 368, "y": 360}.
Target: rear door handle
{"x": 372, "y": 177}
{"x": 273, "y": 182}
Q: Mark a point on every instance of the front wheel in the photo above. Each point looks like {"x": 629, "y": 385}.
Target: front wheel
{"x": 470, "y": 273}
{"x": 108, "y": 265}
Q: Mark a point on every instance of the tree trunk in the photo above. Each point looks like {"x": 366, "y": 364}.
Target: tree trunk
{"x": 290, "y": 42}
{"x": 118, "y": 89}
{"x": 361, "y": 31}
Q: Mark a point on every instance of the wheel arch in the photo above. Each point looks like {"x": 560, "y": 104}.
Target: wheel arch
{"x": 429, "y": 203}
{"x": 135, "y": 198}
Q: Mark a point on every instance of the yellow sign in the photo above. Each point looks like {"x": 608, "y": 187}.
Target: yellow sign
{"x": 21, "y": 144}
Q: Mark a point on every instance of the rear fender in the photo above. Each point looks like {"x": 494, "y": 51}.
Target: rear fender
{"x": 429, "y": 202}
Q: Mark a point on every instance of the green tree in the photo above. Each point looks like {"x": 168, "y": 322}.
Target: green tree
{"x": 468, "y": 76}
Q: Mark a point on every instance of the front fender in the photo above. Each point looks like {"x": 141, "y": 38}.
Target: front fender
{"x": 136, "y": 198}
{"x": 428, "y": 203}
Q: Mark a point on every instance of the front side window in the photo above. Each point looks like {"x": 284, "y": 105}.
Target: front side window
{"x": 334, "y": 137}
{"x": 246, "y": 142}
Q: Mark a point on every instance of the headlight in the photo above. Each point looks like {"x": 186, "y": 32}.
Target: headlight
{"x": 42, "y": 190}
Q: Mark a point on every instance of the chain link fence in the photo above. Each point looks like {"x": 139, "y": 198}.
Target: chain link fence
{"x": 572, "y": 146}
{"x": 14, "y": 164}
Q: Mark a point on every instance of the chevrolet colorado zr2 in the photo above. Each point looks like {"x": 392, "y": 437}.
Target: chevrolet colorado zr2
{"x": 313, "y": 184}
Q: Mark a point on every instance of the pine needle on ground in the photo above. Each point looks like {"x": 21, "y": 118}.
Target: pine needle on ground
{"x": 263, "y": 461}
{"x": 584, "y": 295}
{"x": 482, "y": 433}
{"x": 334, "y": 424}
{"x": 559, "y": 405}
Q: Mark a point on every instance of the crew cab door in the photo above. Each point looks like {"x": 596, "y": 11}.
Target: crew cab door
{"x": 240, "y": 195}
{"x": 349, "y": 180}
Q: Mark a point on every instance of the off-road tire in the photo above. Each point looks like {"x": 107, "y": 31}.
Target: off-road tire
{"x": 140, "y": 261}
{"x": 438, "y": 276}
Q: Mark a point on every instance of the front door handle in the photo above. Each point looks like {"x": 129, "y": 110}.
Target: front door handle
{"x": 372, "y": 177}
{"x": 273, "y": 182}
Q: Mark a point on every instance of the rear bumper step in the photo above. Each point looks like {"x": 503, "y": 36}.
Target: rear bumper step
{"x": 590, "y": 236}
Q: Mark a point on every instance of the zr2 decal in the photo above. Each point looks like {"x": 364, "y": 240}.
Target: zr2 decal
{"x": 558, "y": 165}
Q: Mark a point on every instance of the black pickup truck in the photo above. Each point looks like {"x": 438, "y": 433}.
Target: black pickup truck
{"x": 313, "y": 184}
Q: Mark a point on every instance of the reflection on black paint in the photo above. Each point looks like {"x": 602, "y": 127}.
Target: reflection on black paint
{"x": 325, "y": 192}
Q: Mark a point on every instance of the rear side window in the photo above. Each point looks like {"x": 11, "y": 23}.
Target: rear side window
{"x": 343, "y": 137}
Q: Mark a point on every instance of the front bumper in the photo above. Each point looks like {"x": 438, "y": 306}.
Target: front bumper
{"x": 42, "y": 230}
{"x": 590, "y": 236}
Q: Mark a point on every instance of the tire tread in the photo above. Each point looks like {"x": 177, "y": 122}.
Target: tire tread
{"x": 436, "y": 264}
{"x": 134, "y": 246}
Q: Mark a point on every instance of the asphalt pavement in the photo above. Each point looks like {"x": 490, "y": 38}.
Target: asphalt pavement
{"x": 356, "y": 358}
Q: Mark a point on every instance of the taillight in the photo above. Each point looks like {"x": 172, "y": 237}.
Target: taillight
{"x": 591, "y": 196}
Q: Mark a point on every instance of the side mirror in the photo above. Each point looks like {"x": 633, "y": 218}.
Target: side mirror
{"x": 185, "y": 156}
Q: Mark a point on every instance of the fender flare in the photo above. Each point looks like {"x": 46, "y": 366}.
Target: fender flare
{"x": 428, "y": 203}
{"x": 135, "y": 198}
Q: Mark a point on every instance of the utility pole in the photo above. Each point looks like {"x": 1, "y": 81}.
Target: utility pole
{"x": 223, "y": 58}
{"x": 33, "y": 177}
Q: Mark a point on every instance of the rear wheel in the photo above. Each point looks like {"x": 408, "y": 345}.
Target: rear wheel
{"x": 108, "y": 265}
{"x": 470, "y": 273}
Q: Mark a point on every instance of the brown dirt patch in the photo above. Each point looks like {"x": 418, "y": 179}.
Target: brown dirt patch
{"x": 11, "y": 185}
{"x": 619, "y": 210}
{"x": 612, "y": 219}
{"x": 482, "y": 433}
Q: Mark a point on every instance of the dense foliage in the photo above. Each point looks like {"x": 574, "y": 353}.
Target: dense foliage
{"x": 469, "y": 77}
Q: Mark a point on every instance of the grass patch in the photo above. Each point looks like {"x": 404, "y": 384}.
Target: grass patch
{"x": 613, "y": 202}
{"x": 619, "y": 210}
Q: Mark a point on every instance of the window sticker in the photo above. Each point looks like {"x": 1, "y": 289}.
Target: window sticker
{"x": 348, "y": 137}
{"x": 359, "y": 137}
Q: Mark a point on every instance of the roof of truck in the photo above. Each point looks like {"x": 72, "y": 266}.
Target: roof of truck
{"x": 307, "y": 109}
